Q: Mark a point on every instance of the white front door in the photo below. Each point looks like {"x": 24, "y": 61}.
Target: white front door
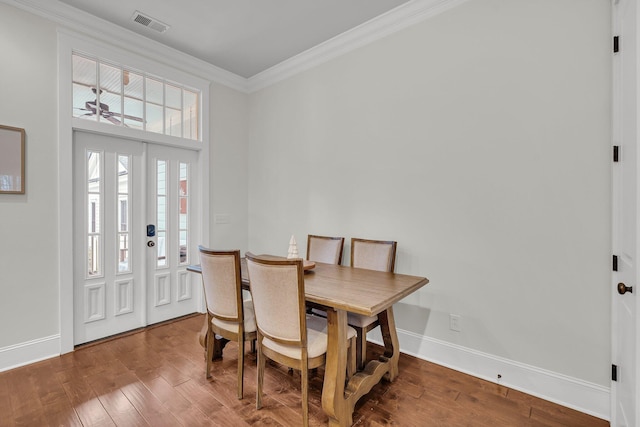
{"x": 624, "y": 389}
{"x": 172, "y": 210}
{"x": 134, "y": 234}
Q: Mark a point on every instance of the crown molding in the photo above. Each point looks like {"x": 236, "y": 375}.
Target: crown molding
{"x": 403, "y": 16}
{"x": 97, "y": 28}
{"x": 395, "y": 20}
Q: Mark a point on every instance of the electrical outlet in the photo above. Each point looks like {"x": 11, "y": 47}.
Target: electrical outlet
{"x": 222, "y": 218}
{"x": 454, "y": 322}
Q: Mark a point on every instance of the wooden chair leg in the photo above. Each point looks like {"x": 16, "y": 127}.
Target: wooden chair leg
{"x": 361, "y": 347}
{"x": 351, "y": 358}
{"x": 260, "y": 370}
{"x": 209, "y": 351}
{"x": 240, "y": 367}
{"x": 304, "y": 378}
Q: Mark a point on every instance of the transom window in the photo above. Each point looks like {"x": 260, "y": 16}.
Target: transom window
{"x": 119, "y": 96}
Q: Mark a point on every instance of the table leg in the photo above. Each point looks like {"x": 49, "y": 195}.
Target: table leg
{"x": 338, "y": 400}
{"x": 333, "y": 393}
{"x": 390, "y": 339}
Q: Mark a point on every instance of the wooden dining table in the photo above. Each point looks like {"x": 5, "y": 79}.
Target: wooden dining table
{"x": 340, "y": 289}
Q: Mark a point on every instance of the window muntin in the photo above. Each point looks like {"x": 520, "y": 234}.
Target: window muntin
{"x": 119, "y": 96}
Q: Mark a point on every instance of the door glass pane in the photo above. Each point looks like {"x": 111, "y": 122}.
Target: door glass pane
{"x": 154, "y": 91}
{"x": 94, "y": 204}
{"x": 173, "y": 122}
{"x": 184, "y": 212}
{"x": 153, "y": 106}
{"x": 95, "y": 264}
{"x": 154, "y": 117}
{"x": 84, "y": 84}
{"x": 161, "y": 211}
{"x": 123, "y": 214}
{"x": 162, "y": 250}
{"x": 123, "y": 253}
{"x": 123, "y": 174}
{"x": 173, "y": 96}
{"x": 133, "y": 99}
{"x": 173, "y": 110}
{"x": 190, "y": 114}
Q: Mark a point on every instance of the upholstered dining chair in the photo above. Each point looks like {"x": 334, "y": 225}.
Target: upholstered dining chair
{"x": 228, "y": 315}
{"x": 286, "y": 334}
{"x": 325, "y": 249}
{"x": 377, "y": 255}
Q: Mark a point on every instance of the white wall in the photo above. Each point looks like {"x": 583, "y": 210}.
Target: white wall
{"x": 480, "y": 141}
{"x": 29, "y": 298}
{"x": 229, "y": 168}
{"x": 28, "y": 223}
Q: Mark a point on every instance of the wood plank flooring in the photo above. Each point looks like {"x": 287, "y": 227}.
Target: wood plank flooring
{"x": 156, "y": 377}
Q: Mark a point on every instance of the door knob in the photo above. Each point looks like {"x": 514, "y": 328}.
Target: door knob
{"x": 622, "y": 288}
{"x": 150, "y": 243}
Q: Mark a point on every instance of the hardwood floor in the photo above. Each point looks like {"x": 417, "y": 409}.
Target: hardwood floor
{"x": 156, "y": 377}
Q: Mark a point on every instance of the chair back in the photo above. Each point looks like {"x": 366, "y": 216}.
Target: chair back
{"x": 277, "y": 290}
{"x": 325, "y": 249}
{"x": 222, "y": 282}
{"x": 377, "y": 255}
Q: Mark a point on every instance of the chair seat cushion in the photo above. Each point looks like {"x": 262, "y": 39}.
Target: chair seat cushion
{"x": 318, "y": 312}
{"x": 320, "y": 324}
{"x": 316, "y": 340}
{"x": 249, "y": 319}
{"x": 360, "y": 321}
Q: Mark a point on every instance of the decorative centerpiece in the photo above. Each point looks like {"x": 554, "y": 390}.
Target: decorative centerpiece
{"x": 293, "y": 248}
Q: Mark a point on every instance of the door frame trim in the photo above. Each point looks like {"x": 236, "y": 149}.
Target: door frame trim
{"x": 616, "y": 119}
{"x": 67, "y": 43}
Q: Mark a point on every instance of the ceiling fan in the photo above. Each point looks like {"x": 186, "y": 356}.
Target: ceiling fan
{"x": 91, "y": 107}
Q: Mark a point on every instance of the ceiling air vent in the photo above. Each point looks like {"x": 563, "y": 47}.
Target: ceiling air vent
{"x": 150, "y": 22}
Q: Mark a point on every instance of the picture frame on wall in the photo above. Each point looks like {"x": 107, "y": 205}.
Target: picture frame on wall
{"x": 12, "y": 160}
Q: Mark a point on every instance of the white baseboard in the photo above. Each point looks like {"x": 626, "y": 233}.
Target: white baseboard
{"x": 583, "y": 396}
{"x": 28, "y": 352}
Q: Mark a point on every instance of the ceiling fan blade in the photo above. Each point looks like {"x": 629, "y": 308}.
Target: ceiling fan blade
{"x": 113, "y": 120}
{"x": 137, "y": 119}
{"x": 90, "y": 106}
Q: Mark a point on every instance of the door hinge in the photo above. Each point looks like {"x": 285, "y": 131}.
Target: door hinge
{"x": 616, "y": 44}
{"x": 614, "y": 372}
{"x": 616, "y": 153}
{"x": 615, "y": 263}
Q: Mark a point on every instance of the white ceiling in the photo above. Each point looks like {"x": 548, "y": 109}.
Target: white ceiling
{"x": 244, "y": 37}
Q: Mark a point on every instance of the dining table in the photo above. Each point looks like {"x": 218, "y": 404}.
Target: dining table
{"x": 340, "y": 290}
